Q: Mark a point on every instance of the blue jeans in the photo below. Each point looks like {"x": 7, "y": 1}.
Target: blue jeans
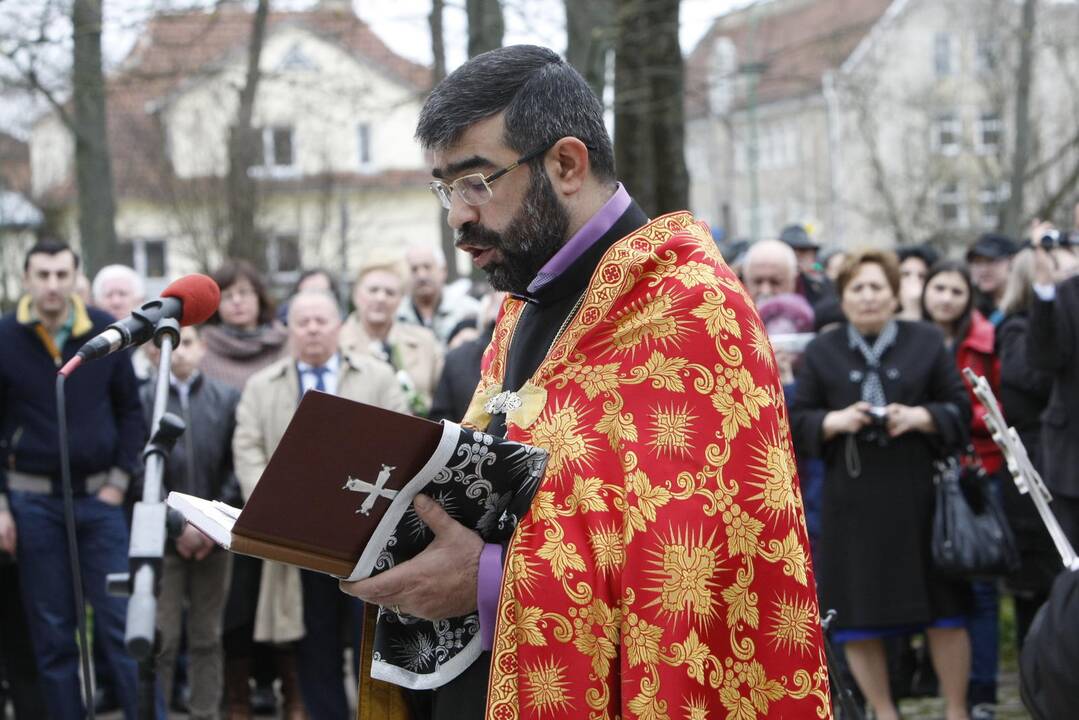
{"x": 982, "y": 624}
{"x": 48, "y": 593}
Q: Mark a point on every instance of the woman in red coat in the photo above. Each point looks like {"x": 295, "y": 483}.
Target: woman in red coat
{"x": 948, "y": 302}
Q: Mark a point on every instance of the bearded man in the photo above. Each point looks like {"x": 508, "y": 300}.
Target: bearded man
{"x": 663, "y": 569}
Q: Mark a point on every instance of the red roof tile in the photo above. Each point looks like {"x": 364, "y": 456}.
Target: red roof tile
{"x": 797, "y": 41}
{"x": 176, "y": 49}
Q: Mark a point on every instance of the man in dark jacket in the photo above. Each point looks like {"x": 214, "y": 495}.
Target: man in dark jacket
{"x": 195, "y": 571}
{"x": 106, "y": 433}
{"x": 1053, "y": 346}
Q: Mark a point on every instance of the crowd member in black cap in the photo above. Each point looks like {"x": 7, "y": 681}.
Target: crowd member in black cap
{"x": 812, "y": 284}
{"x": 914, "y": 264}
{"x": 990, "y": 261}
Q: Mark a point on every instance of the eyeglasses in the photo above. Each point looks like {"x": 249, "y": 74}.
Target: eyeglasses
{"x": 475, "y": 189}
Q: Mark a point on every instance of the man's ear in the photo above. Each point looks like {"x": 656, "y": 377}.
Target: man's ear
{"x": 568, "y": 165}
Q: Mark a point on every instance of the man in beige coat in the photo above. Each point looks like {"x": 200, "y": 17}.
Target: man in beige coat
{"x": 412, "y": 350}
{"x": 291, "y": 602}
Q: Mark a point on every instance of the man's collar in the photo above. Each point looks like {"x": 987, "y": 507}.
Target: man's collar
{"x": 332, "y": 365}
{"x": 595, "y": 228}
{"x": 77, "y": 315}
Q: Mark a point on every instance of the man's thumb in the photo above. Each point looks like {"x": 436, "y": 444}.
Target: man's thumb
{"x": 432, "y": 513}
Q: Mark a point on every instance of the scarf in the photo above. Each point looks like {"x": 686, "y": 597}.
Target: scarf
{"x": 872, "y": 389}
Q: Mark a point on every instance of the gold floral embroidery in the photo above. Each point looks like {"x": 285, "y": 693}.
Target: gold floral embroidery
{"x": 792, "y": 622}
{"x": 528, "y": 631}
{"x": 547, "y": 687}
{"x": 743, "y": 531}
{"x": 738, "y": 411}
{"x": 685, "y": 568}
{"x": 616, "y": 425}
{"x": 790, "y": 552}
{"x": 561, "y": 433}
{"x": 717, "y": 315}
{"x": 762, "y": 690}
{"x": 696, "y": 708}
{"x": 646, "y": 705}
{"x": 643, "y": 320}
{"x": 663, "y": 372}
{"x": 608, "y": 549}
{"x": 693, "y": 654}
{"x": 595, "y": 634}
{"x": 774, "y": 464}
{"x": 741, "y": 601}
{"x": 672, "y": 431}
{"x": 595, "y": 379}
{"x": 762, "y": 348}
{"x": 586, "y": 495}
{"x": 562, "y": 555}
{"x": 642, "y": 500}
{"x": 641, "y": 639}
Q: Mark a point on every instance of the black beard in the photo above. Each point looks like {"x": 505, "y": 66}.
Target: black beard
{"x": 534, "y": 235}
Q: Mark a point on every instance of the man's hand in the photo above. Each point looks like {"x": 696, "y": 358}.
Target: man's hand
{"x": 192, "y": 543}
{"x": 1044, "y": 266}
{"x": 7, "y": 532}
{"x": 438, "y": 583}
{"x": 111, "y": 495}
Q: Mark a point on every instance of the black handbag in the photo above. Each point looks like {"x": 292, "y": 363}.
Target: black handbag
{"x": 971, "y": 535}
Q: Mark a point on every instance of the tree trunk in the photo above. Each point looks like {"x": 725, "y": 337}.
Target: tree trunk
{"x": 245, "y": 151}
{"x": 648, "y": 121}
{"x": 93, "y": 170}
{"x": 1013, "y": 214}
{"x": 589, "y": 35}
{"x": 438, "y": 73}
{"x": 485, "y": 26}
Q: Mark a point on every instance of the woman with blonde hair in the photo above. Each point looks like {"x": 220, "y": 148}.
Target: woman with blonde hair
{"x": 372, "y": 329}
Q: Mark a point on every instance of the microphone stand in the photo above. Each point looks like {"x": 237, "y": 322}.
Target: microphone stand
{"x": 151, "y": 525}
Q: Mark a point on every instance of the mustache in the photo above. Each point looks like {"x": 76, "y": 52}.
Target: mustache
{"x": 476, "y": 236}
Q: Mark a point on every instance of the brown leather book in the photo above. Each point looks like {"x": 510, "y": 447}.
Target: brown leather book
{"x": 337, "y": 495}
{"x": 342, "y": 480}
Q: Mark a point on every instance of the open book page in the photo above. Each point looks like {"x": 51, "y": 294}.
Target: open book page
{"x": 215, "y": 519}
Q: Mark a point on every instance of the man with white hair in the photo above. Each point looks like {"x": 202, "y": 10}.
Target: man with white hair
{"x": 769, "y": 268}
{"x": 117, "y": 289}
{"x": 428, "y": 304}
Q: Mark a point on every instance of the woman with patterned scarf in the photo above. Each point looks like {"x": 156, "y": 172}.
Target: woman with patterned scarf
{"x": 879, "y": 399}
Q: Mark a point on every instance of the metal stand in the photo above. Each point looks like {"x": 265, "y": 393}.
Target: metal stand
{"x": 150, "y": 527}
{"x": 1027, "y": 479}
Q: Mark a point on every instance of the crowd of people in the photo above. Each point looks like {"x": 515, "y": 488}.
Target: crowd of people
{"x": 868, "y": 346}
{"x": 877, "y": 397}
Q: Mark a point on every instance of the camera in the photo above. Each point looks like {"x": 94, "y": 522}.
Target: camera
{"x": 878, "y": 416}
{"x": 1056, "y": 238}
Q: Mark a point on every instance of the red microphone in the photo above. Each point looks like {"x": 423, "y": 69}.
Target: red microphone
{"x": 191, "y": 300}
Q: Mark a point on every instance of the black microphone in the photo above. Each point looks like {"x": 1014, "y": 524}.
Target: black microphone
{"x": 192, "y": 300}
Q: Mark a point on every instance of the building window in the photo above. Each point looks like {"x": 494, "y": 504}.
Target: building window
{"x": 363, "y": 141}
{"x": 283, "y": 254}
{"x": 988, "y": 134}
{"x": 950, "y": 206}
{"x": 943, "y": 61}
{"x": 946, "y": 134}
{"x": 991, "y": 200}
{"x": 147, "y": 256}
{"x": 277, "y": 147}
{"x": 986, "y": 53}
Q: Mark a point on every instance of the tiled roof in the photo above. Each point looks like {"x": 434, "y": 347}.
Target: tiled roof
{"x": 177, "y": 49}
{"x": 795, "y": 41}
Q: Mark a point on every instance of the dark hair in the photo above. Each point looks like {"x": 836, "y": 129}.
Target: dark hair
{"x": 48, "y": 246}
{"x": 334, "y": 289}
{"x": 962, "y": 325}
{"x": 544, "y": 99}
{"x": 922, "y": 251}
{"x": 232, "y": 271}
{"x": 887, "y": 260}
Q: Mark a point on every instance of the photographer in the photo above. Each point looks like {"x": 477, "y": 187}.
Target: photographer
{"x": 1053, "y": 346}
{"x": 878, "y": 399}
